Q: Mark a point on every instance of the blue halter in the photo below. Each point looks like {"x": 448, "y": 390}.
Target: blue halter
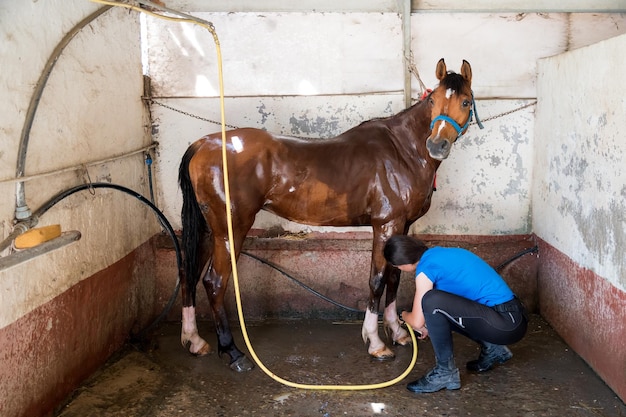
{"x": 459, "y": 130}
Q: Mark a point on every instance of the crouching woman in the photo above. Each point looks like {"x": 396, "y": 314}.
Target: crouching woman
{"x": 455, "y": 290}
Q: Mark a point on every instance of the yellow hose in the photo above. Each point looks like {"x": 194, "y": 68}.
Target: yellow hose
{"x": 233, "y": 261}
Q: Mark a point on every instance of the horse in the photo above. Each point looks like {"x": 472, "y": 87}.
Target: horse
{"x": 380, "y": 173}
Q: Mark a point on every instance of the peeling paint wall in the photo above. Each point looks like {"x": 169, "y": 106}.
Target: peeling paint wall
{"x": 579, "y": 203}
{"x": 314, "y": 73}
{"x": 90, "y": 111}
{"x": 318, "y": 74}
{"x": 63, "y": 313}
{"x": 483, "y": 188}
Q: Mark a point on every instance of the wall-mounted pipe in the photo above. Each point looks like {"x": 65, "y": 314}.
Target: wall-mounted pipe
{"x": 18, "y": 229}
{"x": 22, "y": 212}
{"x": 405, "y": 12}
{"x": 82, "y": 166}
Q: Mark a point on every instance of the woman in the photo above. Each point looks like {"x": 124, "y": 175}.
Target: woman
{"x": 457, "y": 291}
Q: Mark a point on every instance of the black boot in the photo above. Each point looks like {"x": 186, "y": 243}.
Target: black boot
{"x": 490, "y": 355}
{"x": 443, "y": 375}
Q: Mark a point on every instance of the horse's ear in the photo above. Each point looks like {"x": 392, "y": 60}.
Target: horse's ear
{"x": 466, "y": 71}
{"x": 441, "y": 70}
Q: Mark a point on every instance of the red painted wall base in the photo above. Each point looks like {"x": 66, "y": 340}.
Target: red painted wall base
{"x": 587, "y": 311}
{"x": 46, "y": 354}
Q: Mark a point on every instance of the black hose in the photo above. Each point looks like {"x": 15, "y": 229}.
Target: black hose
{"x": 534, "y": 249}
{"x": 162, "y": 219}
{"x": 303, "y": 285}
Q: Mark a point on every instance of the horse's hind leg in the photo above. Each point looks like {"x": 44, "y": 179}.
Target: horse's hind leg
{"x": 189, "y": 335}
{"x": 215, "y": 283}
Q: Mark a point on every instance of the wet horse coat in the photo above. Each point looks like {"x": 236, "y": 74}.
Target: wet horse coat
{"x": 379, "y": 174}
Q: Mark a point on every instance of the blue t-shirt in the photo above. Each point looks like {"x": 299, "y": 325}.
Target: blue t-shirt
{"x": 459, "y": 271}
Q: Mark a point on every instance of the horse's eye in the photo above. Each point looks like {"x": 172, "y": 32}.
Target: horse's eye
{"x": 431, "y": 101}
{"x": 466, "y": 103}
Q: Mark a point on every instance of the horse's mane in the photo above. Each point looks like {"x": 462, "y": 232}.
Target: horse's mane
{"x": 453, "y": 81}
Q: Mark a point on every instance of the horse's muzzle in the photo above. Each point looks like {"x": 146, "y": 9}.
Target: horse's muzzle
{"x": 438, "y": 149}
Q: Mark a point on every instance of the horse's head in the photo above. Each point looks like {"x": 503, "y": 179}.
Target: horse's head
{"x": 451, "y": 109}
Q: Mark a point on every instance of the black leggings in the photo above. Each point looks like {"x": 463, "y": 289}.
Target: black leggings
{"x": 445, "y": 312}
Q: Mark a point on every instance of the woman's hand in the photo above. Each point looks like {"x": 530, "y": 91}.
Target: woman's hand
{"x": 409, "y": 318}
{"x": 424, "y": 333}
{"x": 412, "y": 320}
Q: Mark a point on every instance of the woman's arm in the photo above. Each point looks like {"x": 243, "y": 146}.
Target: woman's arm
{"x": 415, "y": 318}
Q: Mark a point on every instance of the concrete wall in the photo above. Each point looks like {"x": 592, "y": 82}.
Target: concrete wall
{"x": 283, "y": 73}
{"x": 579, "y": 203}
{"x": 303, "y": 72}
{"x": 63, "y": 313}
{"x": 278, "y": 79}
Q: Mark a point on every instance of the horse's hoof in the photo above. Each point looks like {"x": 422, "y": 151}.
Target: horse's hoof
{"x": 403, "y": 341}
{"x": 242, "y": 364}
{"x": 384, "y": 354}
{"x": 203, "y": 350}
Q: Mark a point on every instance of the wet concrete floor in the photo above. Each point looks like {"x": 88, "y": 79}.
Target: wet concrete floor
{"x": 544, "y": 378}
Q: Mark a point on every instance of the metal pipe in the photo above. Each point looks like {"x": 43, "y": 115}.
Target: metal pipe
{"x": 81, "y": 166}
{"x": 405, "y": 11}
{"x": 18, "y": 229}
{"x": 22, "y": 211}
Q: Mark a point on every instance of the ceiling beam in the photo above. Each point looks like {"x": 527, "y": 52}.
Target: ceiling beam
{"x": 386, "y": 6}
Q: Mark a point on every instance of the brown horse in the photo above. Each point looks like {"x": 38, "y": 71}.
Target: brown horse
{"x": 379, "y": 174}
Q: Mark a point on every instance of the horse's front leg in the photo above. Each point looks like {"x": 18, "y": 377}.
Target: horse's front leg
{"x": 393, "y": 326}
{"x": 377, "y": 348}
{"x": 383, "y": 275}
{"x": 391, "y": 321}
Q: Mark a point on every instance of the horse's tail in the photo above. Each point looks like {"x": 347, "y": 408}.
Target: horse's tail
{"x": 194, "y": 224}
